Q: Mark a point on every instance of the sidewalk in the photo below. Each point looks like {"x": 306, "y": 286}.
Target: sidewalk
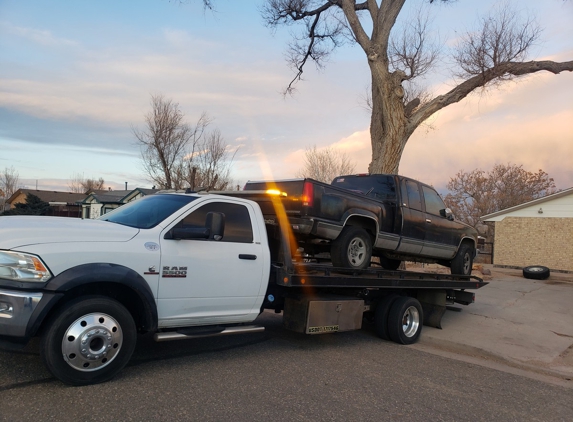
{"x": 526, "y": 324}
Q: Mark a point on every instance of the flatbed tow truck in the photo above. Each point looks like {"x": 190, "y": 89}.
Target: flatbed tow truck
{"x": 189, "y": 265}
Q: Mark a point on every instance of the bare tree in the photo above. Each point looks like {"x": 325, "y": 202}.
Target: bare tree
{"x": 176, "y": 155}
{"x": 325, "y": 164}
{"x": 495, "y": 53}
{"x": 477, "y": 193}
{"x": 79, "y": 184}
{"x": 209, "y": 167}
{"x": 166, "y": 141}
{"x": 9, "y": 182}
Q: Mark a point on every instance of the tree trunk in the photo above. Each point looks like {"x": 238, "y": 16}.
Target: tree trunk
{"x": 388, "y": 125}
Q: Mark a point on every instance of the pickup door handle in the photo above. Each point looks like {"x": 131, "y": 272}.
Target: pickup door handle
{"x": 428, "y": 220}
{"x": 247, "y": 256}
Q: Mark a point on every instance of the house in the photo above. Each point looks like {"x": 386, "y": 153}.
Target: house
{"x": 62, "y": 204}
{"x": 100, "y": 202}
{"x": 539, "y": 232}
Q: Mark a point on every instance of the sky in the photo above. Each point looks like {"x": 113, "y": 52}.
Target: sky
{"x": 77, "y": 77}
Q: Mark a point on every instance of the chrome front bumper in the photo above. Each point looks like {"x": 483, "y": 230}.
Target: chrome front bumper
{"x": 16, "y": 309}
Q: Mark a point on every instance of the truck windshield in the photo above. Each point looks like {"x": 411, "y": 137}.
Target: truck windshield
{"x": 148, "y": 211}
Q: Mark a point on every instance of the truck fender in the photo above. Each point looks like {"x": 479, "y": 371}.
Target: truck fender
{"x": 94, "y": 275}
{"x": 369, "y": 218}
{"x": 467, "y": 239}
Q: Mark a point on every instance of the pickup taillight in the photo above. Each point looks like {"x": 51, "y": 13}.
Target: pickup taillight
{"x": 308, "y": 194}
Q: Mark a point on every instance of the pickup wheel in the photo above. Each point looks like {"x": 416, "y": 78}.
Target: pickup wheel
{"x": 88, "y": 341}
{"x": 352, "y": 248}
{"x": 381, "y": 316}
{"x": 536, "y": 272}
{"x": 405, "y": 320}
{"x": 463, "y": 261}
{"x": 389, "y": 264}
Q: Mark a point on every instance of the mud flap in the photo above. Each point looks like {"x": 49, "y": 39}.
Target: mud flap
{"x": 434, "y": 305}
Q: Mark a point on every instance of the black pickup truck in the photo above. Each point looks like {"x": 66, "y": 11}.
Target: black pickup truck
{"x": 392, "y": 217}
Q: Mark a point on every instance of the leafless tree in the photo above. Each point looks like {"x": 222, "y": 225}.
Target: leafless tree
{"x": 80, "y": 184}
{"x": 9, "y": 182}
{"x": 166, "y": 140}
{"x": 176, "y": 155}
{"x": 477, "y": 193}
{"x": 494, "y": 53}
{"x": 209, "y": 167}
{"x": 325, "y": 164}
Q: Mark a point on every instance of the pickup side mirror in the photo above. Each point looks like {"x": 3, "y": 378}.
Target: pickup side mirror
{"x": 214, "y": 229}
{"x": 215, "y": 222}
{"x": 447, "y": 213}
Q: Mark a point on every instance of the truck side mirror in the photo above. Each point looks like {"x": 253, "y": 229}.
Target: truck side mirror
{"x": 215, "y": 222}
{"x": 447, "y": 213}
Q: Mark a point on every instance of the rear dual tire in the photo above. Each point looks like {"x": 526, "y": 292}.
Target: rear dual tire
{"x": 399, "y": 318}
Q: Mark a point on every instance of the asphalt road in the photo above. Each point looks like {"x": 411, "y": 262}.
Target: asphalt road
{"x": 279, "y": 375}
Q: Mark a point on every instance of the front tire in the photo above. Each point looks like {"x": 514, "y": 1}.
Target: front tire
{"x": 463, "y": 261}
{"x": 389, "y": 264}
{"x": 352, "y": 248}
{"x": 88, "y": 341}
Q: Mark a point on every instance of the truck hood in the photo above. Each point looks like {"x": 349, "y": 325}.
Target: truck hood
{"x": 18, "y": 231}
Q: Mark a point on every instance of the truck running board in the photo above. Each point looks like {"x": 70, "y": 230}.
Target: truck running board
{"x": 198, "y": 332}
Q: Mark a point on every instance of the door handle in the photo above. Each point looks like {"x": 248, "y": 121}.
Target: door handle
{"x": 428, "y": 220}
{"x": 247, "y": 256}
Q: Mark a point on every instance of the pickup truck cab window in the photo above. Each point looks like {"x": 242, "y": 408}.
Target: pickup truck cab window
{"x": 238, "y": 226}
{"x": 413, "y": 192}
{"x": 381, "y": 187}
{"x": 433, "y": 201}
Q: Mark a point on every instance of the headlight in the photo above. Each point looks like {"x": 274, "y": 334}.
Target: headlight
{"x": 20, "y": 266}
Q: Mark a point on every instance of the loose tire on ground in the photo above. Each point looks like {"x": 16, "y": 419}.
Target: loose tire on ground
{"x": 88, "y": 341}
{"x": 536, "y": 272}
{"x": 381, "y": 316}
{"x": 463, "y": 261}
{"x": 405, "y": 320}
{"x": 352, "y": 248}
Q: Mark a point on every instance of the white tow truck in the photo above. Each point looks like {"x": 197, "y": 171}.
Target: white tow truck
{"x": 188, "y": 265}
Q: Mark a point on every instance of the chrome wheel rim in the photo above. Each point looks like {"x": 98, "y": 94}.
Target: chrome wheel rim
{"x": 356, "y": 252}
{"x": 410, "y": 321}
{"x": 467, "y": 262}
{"x": 92, "y": 342}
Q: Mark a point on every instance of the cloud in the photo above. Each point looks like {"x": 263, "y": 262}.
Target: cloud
{"x": 36, "y": 36}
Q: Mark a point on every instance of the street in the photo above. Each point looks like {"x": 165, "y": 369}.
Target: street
{"x": 280, "y": 375}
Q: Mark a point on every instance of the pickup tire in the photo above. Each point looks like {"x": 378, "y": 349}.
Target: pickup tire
{"x": 389, "y": 264}
{"x": 536, "y": 272}
{"x": 88, "y": 341}
{"x": 463, "y": 261}
{"x": 381, "y": 316}
{"x": 405, "y": 320}
{"x": 352, "y": 248}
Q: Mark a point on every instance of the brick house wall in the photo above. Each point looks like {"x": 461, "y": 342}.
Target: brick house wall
{"x": 522, "y": 241}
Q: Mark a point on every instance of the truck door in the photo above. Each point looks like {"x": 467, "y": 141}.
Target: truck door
{"x": 209, "y": 281}
{"x": 440, "y": 232}
{"x": 413, "y": 218}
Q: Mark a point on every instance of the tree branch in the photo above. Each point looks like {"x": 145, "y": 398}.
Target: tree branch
{"x": 461, "y": 91}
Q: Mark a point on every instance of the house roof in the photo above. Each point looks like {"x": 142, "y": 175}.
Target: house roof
{"x": 69, "y": 198}
{"x": 106, "y": 196}
{"x": 143, "y": 191}
{"x": 538, "y": 201}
